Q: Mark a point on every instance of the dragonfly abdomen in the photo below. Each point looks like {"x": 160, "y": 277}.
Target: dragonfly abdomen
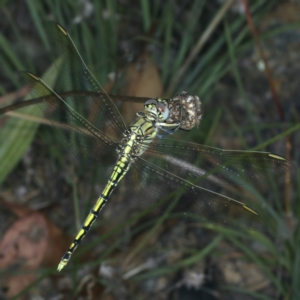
{"x": 118, "y": 173}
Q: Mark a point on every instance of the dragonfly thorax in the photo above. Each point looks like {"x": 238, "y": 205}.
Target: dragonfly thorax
{"x": 138, "y": 136}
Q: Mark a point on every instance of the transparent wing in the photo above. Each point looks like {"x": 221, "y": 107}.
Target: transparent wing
{"x": 201, "y": 164}
{"x": 169, "y": 193}
{"x": 82, "y": 138}
{"x": 74, "y": 79}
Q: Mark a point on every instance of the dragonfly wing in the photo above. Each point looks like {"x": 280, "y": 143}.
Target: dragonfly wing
{"x": 167, "y": 192}
{"x": 202, "y": 164}
{"x": 75, "y": 77}
{"x": 87, "y": 143}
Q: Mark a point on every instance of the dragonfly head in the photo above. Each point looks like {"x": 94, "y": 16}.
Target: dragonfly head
{"x": 157, "y": 109}
{"x": 185, "y": 109}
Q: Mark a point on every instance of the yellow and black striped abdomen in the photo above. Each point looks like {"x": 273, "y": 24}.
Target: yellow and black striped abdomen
{"x": 119, "y": 171}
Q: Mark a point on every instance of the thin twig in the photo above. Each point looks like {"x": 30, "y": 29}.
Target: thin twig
{"x": 71, "y": 94}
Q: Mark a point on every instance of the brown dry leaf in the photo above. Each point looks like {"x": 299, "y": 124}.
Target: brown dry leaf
{"x": 24, "y": 244}
{"x": 142, "y": 80}
{"x": 25, "y": 241}
{"x": 58, "y": 241}
{"x": 29, "y": 242}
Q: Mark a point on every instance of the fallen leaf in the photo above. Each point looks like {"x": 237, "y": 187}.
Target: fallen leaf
{"x": 31, "y": 241}
{"x": 24, "y": 245}
{"x": 142, "y": 80}
{"x": 25, "y": 241}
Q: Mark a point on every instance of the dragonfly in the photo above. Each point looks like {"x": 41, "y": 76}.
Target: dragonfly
{"x": 163, "y": 170}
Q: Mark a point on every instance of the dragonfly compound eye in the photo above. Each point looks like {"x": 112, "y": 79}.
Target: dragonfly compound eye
{"x": 149, "y": 102}
{"x": 163, "y": 109}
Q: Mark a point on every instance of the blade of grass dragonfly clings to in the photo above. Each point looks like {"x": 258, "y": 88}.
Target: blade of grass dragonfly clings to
{"x": 163, "y": 173}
